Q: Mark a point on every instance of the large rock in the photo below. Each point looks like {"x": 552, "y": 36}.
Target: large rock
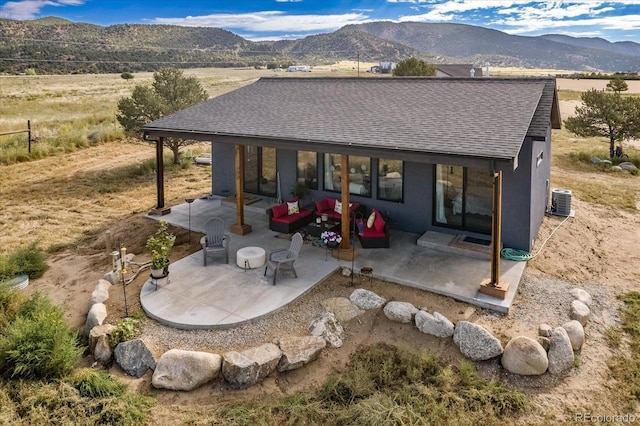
{"x": 365, "y": 299}
{"x": 246, "y": 368}
{"x": 575, "y": 331}
{"x": 328, "y": 327}
{"x": 342, "y": 307}
{"x": 185, "y": 370}
{"x": 100, "y": 343}
{"x": 579, "y": 312}
{"x": 134, "y": 357}
{"x": 100, "y": 293}
{"x": 581, "y": 295}
{"x": 475, "y": 342}
{"x": 436, "y": 325}
{"x": 627, "y": 165}
{"x": 524, "y": 356}
{"x": 544, "y": 330}
{"x": 400, "y": 311}
{"x": 96, "y": 316}
{"x": 299, "y": 351}
{"x": 97, "y": 332}
{"x": 560, "y": 353}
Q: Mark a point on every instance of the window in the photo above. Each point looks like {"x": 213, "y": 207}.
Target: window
{"x": 359, "y": 174}
{"x": 390, "y": 181}
{"x": 308, "y": 168}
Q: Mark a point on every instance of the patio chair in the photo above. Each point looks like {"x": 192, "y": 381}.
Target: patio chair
{"x": 283, "y": 260}
{"x": 216, "y": 241}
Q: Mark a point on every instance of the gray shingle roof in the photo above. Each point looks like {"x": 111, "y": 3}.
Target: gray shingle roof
{"x": 478, "y": 117}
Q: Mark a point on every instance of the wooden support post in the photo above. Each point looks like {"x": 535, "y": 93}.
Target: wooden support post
{"x": 493, "y": 286}
{"x": 29, "y": 134}
{"x": 160, "y": 208}
{"x": 345, "y": 251}
{"x": 240, "y": 228}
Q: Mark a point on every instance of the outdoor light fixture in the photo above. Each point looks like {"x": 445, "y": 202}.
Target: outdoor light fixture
{"x": 189, "y": 201}
{"x": 123, "y": 262}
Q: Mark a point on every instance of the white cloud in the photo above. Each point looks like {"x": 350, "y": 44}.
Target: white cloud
{"x": 30, "y": 9}
{"x": 269, "y": 21}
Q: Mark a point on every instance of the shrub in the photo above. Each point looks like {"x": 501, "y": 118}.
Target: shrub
{"x": 126, "y": 76}
{"x": 125, "y": 330}
{"x": 27, "y": 260}
{"x": 96, "y": 383}
{"x": 9, "y": 304}
{"x": 38, "y": 344}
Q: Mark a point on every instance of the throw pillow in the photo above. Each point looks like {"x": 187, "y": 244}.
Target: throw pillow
{"x": 322, "y": 205}
{"x": 372, "y": 218}
{"x": 292, "y": 208}
{"x": 279, "y": 210}
{"x": 338, "y": 207}
{"x": 379, "y": 223}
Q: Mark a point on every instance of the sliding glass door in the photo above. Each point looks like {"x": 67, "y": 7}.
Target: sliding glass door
{"x": 260, "y": 171}
{"x": 463, "y": 198}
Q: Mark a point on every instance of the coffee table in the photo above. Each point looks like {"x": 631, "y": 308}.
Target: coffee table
{"x": 316, "y": 229}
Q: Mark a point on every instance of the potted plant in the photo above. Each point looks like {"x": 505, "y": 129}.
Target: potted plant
{"x": 299, "y": 190}
{"x": 160, "y": 244}
{"x": 331, "y": 239}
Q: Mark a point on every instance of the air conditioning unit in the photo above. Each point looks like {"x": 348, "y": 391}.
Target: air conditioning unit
{"x": 561, "y": 202}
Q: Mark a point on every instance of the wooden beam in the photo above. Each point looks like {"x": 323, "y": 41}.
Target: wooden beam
{"x": 493, "y": 286}
{"x": 240, "y": 228}
{"x": 160, "y": 208}
{"x": 345, "y": 251}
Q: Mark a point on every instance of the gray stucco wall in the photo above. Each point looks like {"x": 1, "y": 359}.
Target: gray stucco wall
{"x": 524, "y": 191}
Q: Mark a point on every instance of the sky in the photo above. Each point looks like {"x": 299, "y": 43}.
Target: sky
{"x": 294, "y": 19}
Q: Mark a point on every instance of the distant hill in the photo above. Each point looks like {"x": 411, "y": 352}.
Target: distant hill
{"x": 471, "y": 44}
{"x": 622, "y": 47}
{"x": 54, "y": 45}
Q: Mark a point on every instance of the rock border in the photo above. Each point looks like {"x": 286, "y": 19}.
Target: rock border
{"x": 553, "y": 352}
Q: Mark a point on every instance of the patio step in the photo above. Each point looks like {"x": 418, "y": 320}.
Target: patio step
{"x": 454, "y": 244}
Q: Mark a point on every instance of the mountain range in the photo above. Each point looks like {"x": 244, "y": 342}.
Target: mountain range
{"x": 54, "y": 45}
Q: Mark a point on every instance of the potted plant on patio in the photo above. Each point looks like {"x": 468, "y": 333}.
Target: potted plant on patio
{"x": 160, "y": 244}
{"x": 299, "y": 190}
{"x": 331, "y": 239}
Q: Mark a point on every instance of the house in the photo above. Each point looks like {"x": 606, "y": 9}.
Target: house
{"x": 298, "y": 68}
{"x": 386, "y": 67}
{"x": 458, "y": 70}
{"x": 443, "y": 155}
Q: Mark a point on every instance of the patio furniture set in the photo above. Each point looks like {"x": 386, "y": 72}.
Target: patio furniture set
{"x": 325, "y": 215}
{"x": 216, "y": 241}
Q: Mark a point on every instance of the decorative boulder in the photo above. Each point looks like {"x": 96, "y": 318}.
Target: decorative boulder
{"x": 545, "y": 342}
{"x": 400, "y": 311}
{"x": 436, "y": 325}
{"x": 246, "y": 368}
{"x": 524, "y": 356}
{"x": 346, "y": 272}
{"x": 96, "y": 316}
{"x": 545, "y": 330}
{"x": 100, "y": 293}
{"x": 134, "y": 357}
{"x": 575, "y": 331}
{"x": 100, "y": 343}
{"x": 627, "y": 165}
{"x": 342, "y": 308}
{"x": 365, "y": 299}
{"x": 328, "y": 327}
{"x": 98, "y": 331}
{"x": 579, "y": 312}
{"x": 299, "y": 351}
{"x": 185, "y": 370}
{"x": 581, "y": 295}
{"x": 560, "y": 353}
{"x": 475, "y": 342}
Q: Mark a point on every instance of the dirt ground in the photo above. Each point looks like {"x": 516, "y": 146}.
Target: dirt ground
{"x": 595, "y": 251}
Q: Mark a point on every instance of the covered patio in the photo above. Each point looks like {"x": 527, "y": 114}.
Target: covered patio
{"x": 225, "y": 295}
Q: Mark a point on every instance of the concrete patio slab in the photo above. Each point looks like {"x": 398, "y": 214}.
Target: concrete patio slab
{"x": 225, "y": 295}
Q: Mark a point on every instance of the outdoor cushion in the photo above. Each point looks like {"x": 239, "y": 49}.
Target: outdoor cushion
{"x": 292, "y": 207}
{"x": 322, "y": 205}
{"x": 372, "y": 218}
{"x": 293, "y": 217}
{"x": 338, "y": 207}
{"x": 279, "y": 210}
{"x": 379, "y": 223}
{"x": 369, "y": 232}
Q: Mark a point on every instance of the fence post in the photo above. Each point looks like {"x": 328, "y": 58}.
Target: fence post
{"x": 29, "y": 134}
